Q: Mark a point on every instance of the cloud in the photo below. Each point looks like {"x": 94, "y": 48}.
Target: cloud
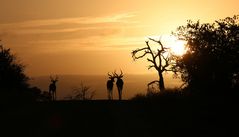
{"x": 73, "y": 34}
{"x": 75, "y": 27}
{"x": 87, "y": 44}
{"x": 34, "y": 26}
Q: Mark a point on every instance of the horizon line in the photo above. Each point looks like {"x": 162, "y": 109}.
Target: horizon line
{"x": 44, "y": 75}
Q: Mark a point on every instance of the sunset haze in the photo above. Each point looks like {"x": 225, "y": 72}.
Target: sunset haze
{"x": 95, "y": 36}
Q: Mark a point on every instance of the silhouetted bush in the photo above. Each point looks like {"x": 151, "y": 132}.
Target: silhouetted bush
{"x": 211, "y": 65}
{"x": 154, "y": 95}
{"x": 81, "y": 93}
{"x": 13, "y": 81}
{"x": 12, "y": 72}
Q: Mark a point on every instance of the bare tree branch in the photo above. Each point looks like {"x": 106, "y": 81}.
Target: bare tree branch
{"x": 82, "y": 93}
{"x": 151, "y": 66}
{"x": 137, "y": 51}
{"x": 153, "y": 82}
{"x": 157, "y": 59}
{"x": 150, "y": 60}
{"x": 159, "y": 42}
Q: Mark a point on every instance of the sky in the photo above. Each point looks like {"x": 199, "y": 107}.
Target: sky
{"x": 95, "y": 36}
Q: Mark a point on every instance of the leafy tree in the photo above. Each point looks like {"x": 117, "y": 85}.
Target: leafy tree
{"x": 11, "y": 71}
{"x": 212, "y": 61}
{"x": 159, "y": 61}
{"x": 13, "y": 81}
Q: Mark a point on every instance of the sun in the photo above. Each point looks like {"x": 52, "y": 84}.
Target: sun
{"x": 175, "y": 47}
{"x": 178, "y": 47}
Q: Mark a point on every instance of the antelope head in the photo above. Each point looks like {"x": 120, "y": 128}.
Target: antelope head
{"x": 111, "y": 76}
{"x": 54, "y": 80}
{"x": 120, "y": 76}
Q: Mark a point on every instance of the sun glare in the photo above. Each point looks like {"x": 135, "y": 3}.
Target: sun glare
{"x": 178, "y": 48}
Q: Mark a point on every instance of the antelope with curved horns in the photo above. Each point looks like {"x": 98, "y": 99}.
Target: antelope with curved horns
{"x": 119, "y": 83}
{"x": 52, "y": 87}
{"x": 110, "y": 84}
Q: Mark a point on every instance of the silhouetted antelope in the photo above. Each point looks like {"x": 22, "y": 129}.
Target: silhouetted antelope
{"x": 52, "y": 87}
{"x": 110, "y": 84}
{"x": 119, "y": 83}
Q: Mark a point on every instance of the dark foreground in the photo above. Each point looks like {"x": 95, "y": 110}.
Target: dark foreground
{"x": 167, "y": 117}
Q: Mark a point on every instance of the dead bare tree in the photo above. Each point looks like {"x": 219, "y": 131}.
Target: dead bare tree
{"x": 82, "y": 92}
{"x": 158, "y": 59}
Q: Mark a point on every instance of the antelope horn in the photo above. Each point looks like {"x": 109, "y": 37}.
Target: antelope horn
{"x": 56, "y": 77}
{"x": 110, "y": 76}
{"x": 51, "y": 78}
{"x": 121, "y": 73}
{"x": 115, "y": 74}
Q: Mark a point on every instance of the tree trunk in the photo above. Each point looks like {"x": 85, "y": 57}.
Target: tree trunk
{"x": 161, "y": 82}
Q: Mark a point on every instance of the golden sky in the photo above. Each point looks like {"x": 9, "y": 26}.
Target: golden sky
{"x": 95, "y": 36}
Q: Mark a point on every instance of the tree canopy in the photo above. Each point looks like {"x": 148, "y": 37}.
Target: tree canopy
{"x": 11, "y": 71}
{"x": 212, "y": 59}
{"x": 13, "y": 81}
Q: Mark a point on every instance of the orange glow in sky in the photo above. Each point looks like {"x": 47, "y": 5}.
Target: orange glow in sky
{"x": 96, "y": 36}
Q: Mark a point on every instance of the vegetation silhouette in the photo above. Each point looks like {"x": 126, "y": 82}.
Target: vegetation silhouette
{"x": 14, "y": 85}
{"x": 52, "y": 87}
{"x": 45, "y": 96}
{"x": 82, "y": 92}
{"x": 159, "y": 62}
{"x": 119, "y": 83}
{"x": 110, "y": 85}
{"x": 154, "y": 95}
{"x": 212, "y": 62}
{"x": 12, "y": 72}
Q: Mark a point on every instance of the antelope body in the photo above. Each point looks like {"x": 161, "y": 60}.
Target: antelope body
{"x": 52, "y": 88}
{"x": 119, "y": 83}
{"x": 110, "y": 84}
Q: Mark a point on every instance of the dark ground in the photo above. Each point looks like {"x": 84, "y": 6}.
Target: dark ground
{"x": 166, "y": 117}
